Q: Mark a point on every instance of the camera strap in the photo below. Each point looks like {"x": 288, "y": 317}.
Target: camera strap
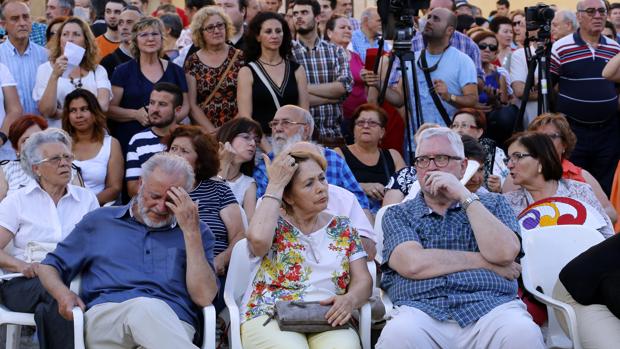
{"x": 431, "y": 89}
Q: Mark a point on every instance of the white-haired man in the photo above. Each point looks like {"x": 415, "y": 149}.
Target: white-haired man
{"x": 450, "y": 261}
{"x": 564, "y": 23}
{"x": 146, "y": 267}
{"x": 368, "y": 34}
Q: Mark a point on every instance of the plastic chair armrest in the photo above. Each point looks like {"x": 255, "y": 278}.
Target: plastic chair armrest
{"x": 566, "y": 309}
{"x": 78, "y": 328}
{"x": 209, "y": 327}
{"x": 364, "y": 330}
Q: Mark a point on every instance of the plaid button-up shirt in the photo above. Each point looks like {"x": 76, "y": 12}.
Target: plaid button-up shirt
{"x": 463, "y": 296}
{"x": 325, "y": 63}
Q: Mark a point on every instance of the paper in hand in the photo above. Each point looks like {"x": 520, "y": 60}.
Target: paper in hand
{"x": 74, "y": 54}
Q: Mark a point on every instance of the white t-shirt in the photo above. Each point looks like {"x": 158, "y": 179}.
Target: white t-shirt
{"x": 240, "y": 186}
{"x": 94, "y": 170}
{"x": 31, "y": 215}
{"x": 518, "y": 72}
{"x": 91, "y": 82}
{"x": 6, "y": 79}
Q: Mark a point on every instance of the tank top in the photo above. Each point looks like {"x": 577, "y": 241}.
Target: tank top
{"x": 378, "y": 173}
{"x": 263, "y": 108}
{"x": 94, "y": 170}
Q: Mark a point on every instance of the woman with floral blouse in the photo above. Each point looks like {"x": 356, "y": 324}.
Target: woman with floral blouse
{"x": 302, "y": 253}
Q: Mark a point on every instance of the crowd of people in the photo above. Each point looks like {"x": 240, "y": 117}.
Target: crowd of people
{"x": 138, "y": 148}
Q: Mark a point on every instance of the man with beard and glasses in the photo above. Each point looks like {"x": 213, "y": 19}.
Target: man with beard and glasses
{"x": 109, "y": 41}
{"x": 327, "y": 71}
{"x": 122, "y": 54}
{"x": 166, "y": 99}
{"x": 291, "y": 125}
{"x": 146, "y": 267}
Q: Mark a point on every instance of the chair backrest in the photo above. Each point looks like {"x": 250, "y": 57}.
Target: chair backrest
{"x": 239, "y": 270}
{"x": 379, "y": 232}
{"x": 560, "y": 211}
{"x": 549, "y": 249}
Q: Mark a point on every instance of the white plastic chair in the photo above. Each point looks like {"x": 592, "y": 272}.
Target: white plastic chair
{"x": 238, "y": 280}
{"x": 15, "y": 320}
{"x": 547, "y": 251}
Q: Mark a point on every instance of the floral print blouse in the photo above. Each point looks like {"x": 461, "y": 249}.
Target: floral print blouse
{"x": 303, "y": 267}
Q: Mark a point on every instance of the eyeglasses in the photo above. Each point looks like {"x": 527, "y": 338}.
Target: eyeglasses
{"x": 517, "y": 23}
{"x": 248, "y": 137}
{"x": 211, "y": 27}
{"x": 515, "y": 157}
{"x": 55, "y": 160}
{"x": 369, "y": 123}
{"x": 147, "y": 35}
{"x": 285, "y": 123}
{"x": 483, "y": 47}
{"x": 457, "y": 126}
{"x": 439, "y": 160}
{"x": 592, "y": 11}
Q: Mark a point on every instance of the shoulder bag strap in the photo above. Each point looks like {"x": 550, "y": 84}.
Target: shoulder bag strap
{"x": 440, "y": 108}
{"x": 263, "y": 78}
{"x": 223, "y": 77}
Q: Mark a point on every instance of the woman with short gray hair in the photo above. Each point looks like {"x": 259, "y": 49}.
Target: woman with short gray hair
{"x": 33, "y": 220}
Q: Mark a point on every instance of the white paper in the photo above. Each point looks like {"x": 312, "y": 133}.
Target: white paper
{"x": 74, "y": 54}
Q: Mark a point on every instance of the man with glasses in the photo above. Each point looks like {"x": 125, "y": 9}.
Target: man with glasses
{"x": 589, "y": 102}
{"x": 449, "y": 261}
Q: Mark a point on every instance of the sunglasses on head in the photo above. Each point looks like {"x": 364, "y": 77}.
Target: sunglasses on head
{"x": 483, "y": 47}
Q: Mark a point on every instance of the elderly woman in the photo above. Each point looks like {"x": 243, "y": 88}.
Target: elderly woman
{"x": 535, "y": 166}
{"x": 97, "y": 154}
{"x": 133, "y": 81}
{"x": 53, "y": 83}
{"x": 303, "y": 254}
{"x": 238, "y": 141}
{"x": 32, "y": 222}
{"x": 212, "y": 71}
{"x": 217, "y": 206}
{"x": 371, "y": 165}
{"x": 557, "y": 128}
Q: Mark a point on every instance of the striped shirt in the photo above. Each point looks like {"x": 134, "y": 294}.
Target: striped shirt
{"x": 325, "y": 63}
{"x": 585, "y": 96}
{"x": 213, "y": 197}
{"x": 24, "y": 70}
{"x": 141, "y": 147}
{"x": 463, "y": 296}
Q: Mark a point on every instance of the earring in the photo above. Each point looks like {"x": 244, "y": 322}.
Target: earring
{"x": 539, "y": 169}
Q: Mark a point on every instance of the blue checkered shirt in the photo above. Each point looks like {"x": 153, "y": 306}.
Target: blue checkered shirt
{"x": 355, "y": 24}
{"x": 325, "y": 63}
{"x": 463, "y": 296}
{"x": 338, "y": 173}
{"x": 360, "y": 43}
{"x": 37, "y": 35}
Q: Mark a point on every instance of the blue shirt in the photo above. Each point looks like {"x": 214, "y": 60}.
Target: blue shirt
{"x": 360, "y": 43}
{"x": 120, "y": 259}
{"x": 459, "y": 41}
{"x": 463, "y": 296}
{"x": 24, "y": 70}
{"x": 337, "y": 173}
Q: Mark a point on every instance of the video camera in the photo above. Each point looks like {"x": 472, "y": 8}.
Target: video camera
{"x": 398, "y": 15}
{"x": 539, "y": 18}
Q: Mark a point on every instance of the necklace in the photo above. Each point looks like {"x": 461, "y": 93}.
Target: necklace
{"x": 271, "y": 65}
{"x": 298, "y": 226}
{"x": 77, "y": 84}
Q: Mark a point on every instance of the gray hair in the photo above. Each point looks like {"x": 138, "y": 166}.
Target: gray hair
{"x": 170, "y": 164}
{"x": 31, "y": 153}
{"x": 367, "y": 13}
{"x": 67, "y": 4}
{"x": 580, "y": 4}
{"x": 569, "y": 17}
{"x": 308, "y": 119}
{"x": 6, "y": 3}
{"x": 455, "y": 140}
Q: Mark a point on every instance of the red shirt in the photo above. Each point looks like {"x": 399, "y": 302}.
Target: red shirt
{"x": 572, "y": 171}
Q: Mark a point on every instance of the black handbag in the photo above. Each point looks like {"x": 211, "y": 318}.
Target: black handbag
{"x": 303, "y": 317}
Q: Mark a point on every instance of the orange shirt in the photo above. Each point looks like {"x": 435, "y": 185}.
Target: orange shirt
{"x": 572, "y": 171}
{"x": 105, "y": 46}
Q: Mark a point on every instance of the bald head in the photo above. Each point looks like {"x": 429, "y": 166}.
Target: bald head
{"x": 447, "y": 4}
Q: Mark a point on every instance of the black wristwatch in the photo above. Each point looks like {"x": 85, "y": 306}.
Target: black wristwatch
{"x": 3, "y": 137}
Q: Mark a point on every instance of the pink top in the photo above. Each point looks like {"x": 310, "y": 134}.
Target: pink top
{"x": 358, "y": 95}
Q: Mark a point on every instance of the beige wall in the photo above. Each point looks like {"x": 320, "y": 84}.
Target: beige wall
{"x": 488, "y": 5}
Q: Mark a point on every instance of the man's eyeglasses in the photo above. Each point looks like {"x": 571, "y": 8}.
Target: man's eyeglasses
{"x": 515, "y": 157}
{"x": 55, "y": 160}
{"x": 285, "y": 123}
{"x": 439, "y": 160}
{"x": 483, "y": 47}
{"x": 211, "y": 27}
{"x": 592, "y": 11}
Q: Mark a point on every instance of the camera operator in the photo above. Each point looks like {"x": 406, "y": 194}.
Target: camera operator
{"x": 589, "y": 102}
{"x": 452, "y": 74}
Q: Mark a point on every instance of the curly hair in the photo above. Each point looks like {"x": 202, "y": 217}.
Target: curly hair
{"x": 143, "y": 23}
{"x": 199, "y": 19}
{"x": 253, "y": 47}
{"x": 100, "y": 126}
{"x": 206, "y": 147}
{"x": 559, "y": 121}
{"x": 91, "y": 57}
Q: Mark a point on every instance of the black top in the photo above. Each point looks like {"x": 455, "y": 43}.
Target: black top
{"x": 378, "y": 173}
{"x": 113, "y": 60}
{"x": 263, "y": 107}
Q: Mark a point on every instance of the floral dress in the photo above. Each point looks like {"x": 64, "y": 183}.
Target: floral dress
{"x": 223, "y": 106}
{"x": 303, "y": 267}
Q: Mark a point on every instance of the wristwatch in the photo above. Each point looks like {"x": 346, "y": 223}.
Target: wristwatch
{"x": 470, "y": 199}
{"x": 452, "y": 98}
